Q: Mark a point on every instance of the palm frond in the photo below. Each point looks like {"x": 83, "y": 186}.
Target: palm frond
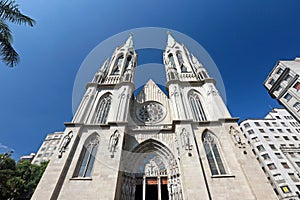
{"x": 5, "y": 31}
{"x": 9, "y": 11}
{"x": 9, "y": 56}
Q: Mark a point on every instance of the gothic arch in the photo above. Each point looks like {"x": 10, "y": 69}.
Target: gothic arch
{"x": 195, "y": 102}
{"x": 213, "y": 151}
{"x": 151, "y": 159}
{"x": 102, "y": 109}
{"x": 117, "y": 65}
{"x": 181, "y": 62}
{"x": 87, "y": 156}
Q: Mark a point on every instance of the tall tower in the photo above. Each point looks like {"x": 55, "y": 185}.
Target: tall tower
{"x": 179, "y": 144}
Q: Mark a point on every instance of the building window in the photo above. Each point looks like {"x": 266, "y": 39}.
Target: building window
{"x": 278, "y": 89}
{"x": 277, "y": 117}
{"x": 271, "y": 81}
{"x": 255, "y": 139}
{"x": 260, "y": 148}
{"x": 196, "y": 106}
{"x": 298, "y": 164}
{"x": 297, "y": 86}
{"x": 212, "y": 154}
{"x": 297, "y": 106}
{"x": 295, "y": 138}
{"x": 250, "y": 132}
{"x": 287, "y": 78}
{"x": 103, "y": 109}
{"x": 274, "y": 124}
{"x": 285, "y": 165}
{"x": 279, "y": 156}
{"x": 283, "y": 124}
{"x": 292, "y": 154}
{"x": 87, "y": 157}
{"x": 271, "y": 166}
{"x": 278, "y": 178}
{"x": 272, "y": 146}
{"x": 280, "y": 130}
{"x": 247, "y": 125}
{"x": 287, "y": 97}
{"x": 266, "y": 156}
{"x": 279, "y": 71}
{"x": 257, "y": 123}
{"x": 285, "y": 189}
{"x": 289, "y": 130}
{"x": 262, "y": 130}
{"x": 286, "y": 137}
{"x": 267, "y": 138}
{"x": 267, "y": 123}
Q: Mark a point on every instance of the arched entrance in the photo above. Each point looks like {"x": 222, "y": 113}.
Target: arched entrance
{"x": 151, "y": 173}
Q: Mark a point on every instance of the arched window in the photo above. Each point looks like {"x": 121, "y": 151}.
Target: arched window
{"x": 213, "y": 154}
{"x": 103, "y": 109}
{"x": 117, "y": 67}
{"x": 181, "y": 62}
{"x": 196, "y": 106}
{"x": 87, "y": 157}
{"x": 127, "y": 61}
{"x": 171, "y": 59}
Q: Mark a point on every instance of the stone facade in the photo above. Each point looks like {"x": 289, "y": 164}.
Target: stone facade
{"x": 283, "y": 84}
{"x": 181, "y": 143}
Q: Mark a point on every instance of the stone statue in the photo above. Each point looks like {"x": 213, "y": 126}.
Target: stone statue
{"x": 185, "y": 140}
{"x": 64, "y": 144}
{"x": 236, "y": 137}
{"x": 113, "y": 142}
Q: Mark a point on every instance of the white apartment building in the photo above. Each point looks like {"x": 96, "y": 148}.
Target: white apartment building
{"x": 283, "y": 84}
{"x": 275, "y": 140}
{"x": 29, "y": 157}
{"x": 49, "y": 145}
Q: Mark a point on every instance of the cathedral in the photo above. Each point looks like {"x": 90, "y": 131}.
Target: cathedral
{"x": 177, "y": 143}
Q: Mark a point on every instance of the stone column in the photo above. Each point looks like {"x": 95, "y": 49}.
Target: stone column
{"x": 144, "y": 187}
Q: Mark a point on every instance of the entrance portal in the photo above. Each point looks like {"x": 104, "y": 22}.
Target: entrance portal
{"x": 151, "y": 173}
{"x": 152, "y": 188}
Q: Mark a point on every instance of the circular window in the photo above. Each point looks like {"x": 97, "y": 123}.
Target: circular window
{"x": 151, "y": 112}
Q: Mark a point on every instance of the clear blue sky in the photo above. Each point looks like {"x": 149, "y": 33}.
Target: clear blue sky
{"x": 244, "y": 38}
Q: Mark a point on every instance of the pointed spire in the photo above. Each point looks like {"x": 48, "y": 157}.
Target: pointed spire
{"x": 171, "y": 41}
{"x": 129, "y": 41}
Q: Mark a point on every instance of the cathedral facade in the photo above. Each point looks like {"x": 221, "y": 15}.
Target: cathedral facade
{"x": 175, "y": 144}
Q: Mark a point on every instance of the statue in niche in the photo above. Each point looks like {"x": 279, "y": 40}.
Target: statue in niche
{"x": 63, "y": 146}
{"x": 113, "y": 143}
{"x": 236, "y": 136}
{"x": 185, "y": 140}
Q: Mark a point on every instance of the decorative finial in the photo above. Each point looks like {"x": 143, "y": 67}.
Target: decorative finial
{"x": 129, "y": 42}
{"x": 171, "y": 41}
